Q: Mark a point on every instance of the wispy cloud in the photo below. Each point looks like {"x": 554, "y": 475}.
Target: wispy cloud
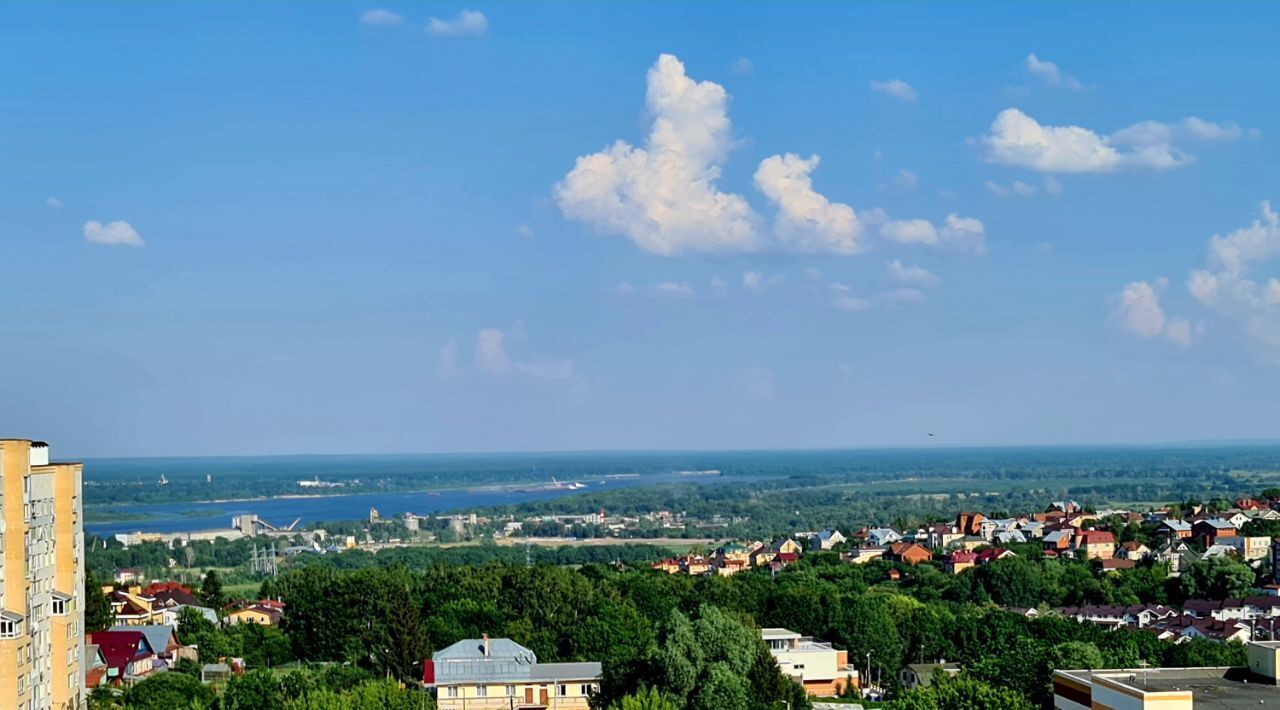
{"x": 896, "y": 88}
{"x": 380, "y": 18}
{"x": 489, "y": 355}
{"x": 465, "y": 23}
{"x": 912, "y": 275}
{"x": 1051, "y": 74}
{"x": 53, "y": 203}
{"x": 662, "y": 289}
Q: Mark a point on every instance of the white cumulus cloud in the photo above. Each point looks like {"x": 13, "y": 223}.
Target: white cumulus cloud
{"x": 119, "y": 233}
{"x": 1019, "y": 140}
{"x": 958, "y": 234}
{"x": 807, "y": 221}
{"x": 896, "y": 88}
{"x": 910, "y": 231}
{"x": 467, "y": 22}
{"x": 1228, "y": 286}
{"x": 1138, "y": 311}
{"x": 664, "y": 196}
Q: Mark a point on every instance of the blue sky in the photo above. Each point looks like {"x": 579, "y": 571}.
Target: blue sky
{"x": 330, "y": 227}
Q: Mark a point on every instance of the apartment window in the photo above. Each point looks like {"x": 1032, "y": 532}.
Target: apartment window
{"x": 511, "y": 691}
{"x": 451, "y": 692}
{"x": 562, "y": 690}
{"x": 59, "y": 607}
{"x": 584, "y": 690}
{"x": 482, "y": 691}
{"x": 22, "y": 684}
{"x": 10, "y": 629}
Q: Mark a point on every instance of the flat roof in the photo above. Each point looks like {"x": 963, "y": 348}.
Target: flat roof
{"x": 1210, "y": 687}
{"x": 778, "y": 633}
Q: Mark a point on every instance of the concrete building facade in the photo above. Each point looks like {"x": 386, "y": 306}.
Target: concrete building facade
{"x": 41, "y": 579}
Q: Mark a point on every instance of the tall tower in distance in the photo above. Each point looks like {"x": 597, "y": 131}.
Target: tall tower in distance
{"x": 41, "y": 579}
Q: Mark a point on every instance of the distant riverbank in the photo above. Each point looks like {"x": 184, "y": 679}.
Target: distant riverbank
{"x": 309, "y": 508}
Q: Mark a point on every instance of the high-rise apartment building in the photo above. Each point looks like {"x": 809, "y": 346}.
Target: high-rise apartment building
{"x": 41, "y": 579}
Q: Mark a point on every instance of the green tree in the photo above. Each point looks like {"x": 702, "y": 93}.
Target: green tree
{"x": 165, "y": 691}
{"x": 720, "y": 688}
{"x": 97, "y": 608}
{"x": 1217, "y": 578}
{"x": 650, "y": 699}
{"x": 1076, "y": 655}
{"x": 211, "y": 590}
{"x": 255, "y": 690}
{"x": 961, "y": 693}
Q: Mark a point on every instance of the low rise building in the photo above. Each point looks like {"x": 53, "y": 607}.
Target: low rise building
{"x": 816, "y": 665}
{"x": 498, "y": 674}
{"x": 1172, "y": 688}
{"x": 921, "y": 675}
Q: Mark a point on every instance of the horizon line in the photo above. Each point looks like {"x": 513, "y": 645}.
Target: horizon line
{"x": 1184, "y": 444}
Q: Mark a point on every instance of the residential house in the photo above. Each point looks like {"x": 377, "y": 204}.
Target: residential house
{"x": 1066, "y": 506}
{"x": 959, "y": 561}
{"x": 827, "y": 539}
{"x": 1032, "y": 529}
{"x": 989, "y": 528}
{"x": 1008, "y": 537}
{"x": 816, "y": 665}
{"x": 863, "y": 555}
{"x": 1177, "y": 555}
{"x": 1218, "y": 550}
{"x": 921, "y": 675}
{"x": 498, "y": 674}
{"x": 1058, "y": 540}
{"x": 95, "y": 666}
{"x": 1249, "y": 548}
{"x": 1174, "y": 529}
{"x": 1210, "y": 529}
{"x": 264, "y": 612}
{"x": 669, "y": 565}
{"x": 1249, "y": 504}
{"x": 128, "y": 575}
{"x": 163, "y": 641}
{"x": 169, "y": 616}
{"x": 910, "y": 553}
{"x": 1237, "y": 519}
{"x": 787, "y": 545}
{"x": 781, "y": 560}
{"x": 1095, "y": 544}
{"x": 991, "y": 554}
{"x": 940, "y": 536}
{"x": 131, "y": 608}
{"x": 128, "y": 656}
{"x": 879, "y": 537}
{"x": 1134, "y": 550}
{"x": 1115, "y": 564}
{"x": 970, "y": 523}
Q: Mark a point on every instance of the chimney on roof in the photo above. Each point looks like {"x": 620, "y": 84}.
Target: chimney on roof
{"x": 485, "y": 645}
